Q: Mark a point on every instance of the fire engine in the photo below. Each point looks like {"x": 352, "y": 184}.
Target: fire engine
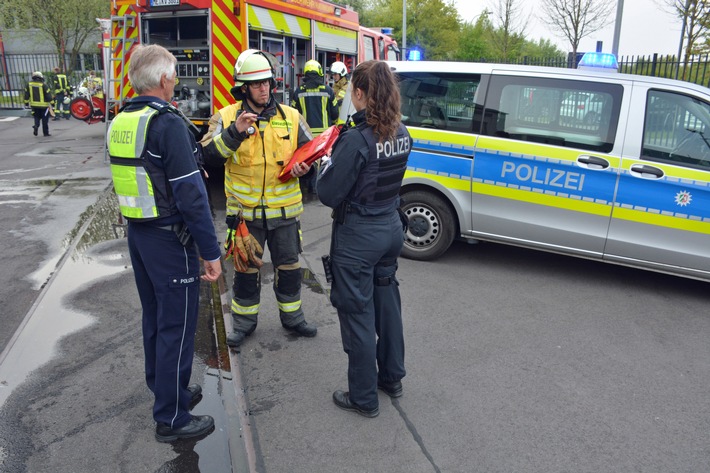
{"x": 206, "y": 36}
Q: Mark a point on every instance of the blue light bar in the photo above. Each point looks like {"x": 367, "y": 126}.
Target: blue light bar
{"x": 414, "y": 55}
{"x": 599, "y": 62}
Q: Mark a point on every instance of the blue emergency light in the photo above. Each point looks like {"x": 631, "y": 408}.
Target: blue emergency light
{"x": 414, "y": 54}
{"x": 599, "y": 62}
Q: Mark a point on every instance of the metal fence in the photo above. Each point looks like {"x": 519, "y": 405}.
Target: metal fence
{"x": 695, "y": 70}
{"x": 16, "y": 70}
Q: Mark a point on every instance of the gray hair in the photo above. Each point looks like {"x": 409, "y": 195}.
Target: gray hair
{"x": 148, "y": 64}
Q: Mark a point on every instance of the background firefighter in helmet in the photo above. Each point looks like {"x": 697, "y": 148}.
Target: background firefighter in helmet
{"x": 317, "y": 103}
{"x": 339, "y": 71}
{"x": 161, "y": 193}
{"x": 61, "y": 95}
{"x": 254, "y": 138}
{"x": 361, "y": 182}
{"x": 39, "y": 98}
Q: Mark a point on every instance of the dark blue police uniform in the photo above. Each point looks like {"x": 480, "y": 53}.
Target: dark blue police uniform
{"x": 167, "y": 272}
{"x": 361, "y": 183}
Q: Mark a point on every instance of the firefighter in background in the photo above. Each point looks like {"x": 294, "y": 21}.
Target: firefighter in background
{"x": 39, "y": 98}
{"x": 94, "y": 84}
{"x": 317, "y": 103}
{"x": 253, "y": 139}
{"x": 339, "y": 71}
{"x": 61, "y": 95}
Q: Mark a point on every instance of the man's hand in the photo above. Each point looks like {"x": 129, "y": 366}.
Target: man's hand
{"x": 300, "y": 169}
{"x": 213, "y": 269}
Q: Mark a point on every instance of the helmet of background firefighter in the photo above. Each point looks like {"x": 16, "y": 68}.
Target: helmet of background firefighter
{"x": 339, "y": 68}
{"x": 313, "y": 66}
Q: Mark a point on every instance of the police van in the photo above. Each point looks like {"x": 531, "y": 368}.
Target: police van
{"x": 587, "y": 163}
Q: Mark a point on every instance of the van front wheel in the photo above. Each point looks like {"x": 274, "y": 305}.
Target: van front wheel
{"x": 431, "y": 226}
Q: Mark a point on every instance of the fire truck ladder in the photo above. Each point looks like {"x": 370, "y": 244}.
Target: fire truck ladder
{"x": 120, "y": 46}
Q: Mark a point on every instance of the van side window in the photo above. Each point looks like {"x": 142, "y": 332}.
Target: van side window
{"x": 439, "y": 100}
{"x": 676, "y": 129}
{"x": 569, "y": 113}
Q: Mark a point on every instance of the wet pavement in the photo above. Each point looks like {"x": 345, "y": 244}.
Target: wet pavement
{"x": 72, "y": 392}
{"x": 515, "y": 363}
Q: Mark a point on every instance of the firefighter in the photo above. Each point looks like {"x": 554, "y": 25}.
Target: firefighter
{"x": 339, "y": 72}
{"x": 317, "y": 103}
{"x": 39, "y": 98}
{"x": 162, "y": 195}
{"x": 253, "y": 139}
{"x": 361, "y": 183}
{"x": 61, "y": 95}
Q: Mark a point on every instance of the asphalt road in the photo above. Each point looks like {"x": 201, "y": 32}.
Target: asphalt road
{"x": 518, "y": 361}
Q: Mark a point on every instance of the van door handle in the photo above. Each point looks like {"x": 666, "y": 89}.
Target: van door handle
{"x": 646, "y": 171}
{"x": 592, "y": 162}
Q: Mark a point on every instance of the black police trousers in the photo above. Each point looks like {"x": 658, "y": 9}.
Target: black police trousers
{"x": 168, "y": 281}
{"x": 365, "y": 291}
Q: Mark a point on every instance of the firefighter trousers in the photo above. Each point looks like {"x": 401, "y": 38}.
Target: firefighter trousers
{"x": 284, "y": 243}
{"x": 365, "y": 291}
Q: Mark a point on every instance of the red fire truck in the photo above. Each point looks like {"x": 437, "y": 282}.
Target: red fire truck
{"x": 206, "y": 36}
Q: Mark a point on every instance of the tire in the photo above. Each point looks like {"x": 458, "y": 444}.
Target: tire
{"x": 432, "y": 226}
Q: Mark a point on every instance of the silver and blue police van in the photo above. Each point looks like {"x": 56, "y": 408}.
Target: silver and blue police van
{"x": 583, "y": 162}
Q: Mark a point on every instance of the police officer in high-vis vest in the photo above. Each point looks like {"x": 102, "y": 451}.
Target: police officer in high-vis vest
{"x": 61, "y": 95}
{"x": 39, "y": 98}
{"x": 162, "y": 195}
{"x": 361, "y": 182}
{"x": 254, "y": 139}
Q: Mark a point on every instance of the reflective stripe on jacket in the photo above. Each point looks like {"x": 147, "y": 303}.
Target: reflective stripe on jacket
{"x": 132, "y": 181}
{"x": 61, "y": 84}
{"x": 38, "y": 95}
{"x": 251, "y": 173}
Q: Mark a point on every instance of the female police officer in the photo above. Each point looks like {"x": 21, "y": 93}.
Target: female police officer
{"x": 361, "y": 183}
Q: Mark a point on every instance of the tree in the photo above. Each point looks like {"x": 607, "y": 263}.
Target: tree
{"x": 695, "y": 15}
{"x": 475, "y": 41}
{"x": 66, "y": 23}
{"x": 433, "y": 25}
{"x": 509, "y": 36}
{"x": 576, "y": 19}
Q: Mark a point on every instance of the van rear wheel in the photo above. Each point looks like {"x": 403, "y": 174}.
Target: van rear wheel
{"x": 431, "y": 226}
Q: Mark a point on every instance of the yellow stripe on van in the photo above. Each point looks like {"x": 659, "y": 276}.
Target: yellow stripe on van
{"x": 649, "y": 218}
{"x": 566, "y": 203}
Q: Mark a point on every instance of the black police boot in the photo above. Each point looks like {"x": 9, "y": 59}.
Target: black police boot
{"x": 342, "y": 400}
{"x": 195, "y": 394}
{"x": 303, "y": 329}
{"x": 236, "y": 338}
{"x": 34, "y": 130}
{"x": 391, "y": 389}
{"x": 198, "y": 425}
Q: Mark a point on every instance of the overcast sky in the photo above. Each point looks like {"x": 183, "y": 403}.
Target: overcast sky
{"x": 646, "y": 28}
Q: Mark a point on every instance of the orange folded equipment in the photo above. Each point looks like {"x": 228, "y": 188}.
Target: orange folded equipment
{"x": 312, "y": 151}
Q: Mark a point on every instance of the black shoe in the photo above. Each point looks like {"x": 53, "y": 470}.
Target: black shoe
{"x": 342, "y": 400}
{"x": 236, "y": 338}
{"x": 67, "y": 117}
{"x": 304, "y": 329}
{"x": 34, "y": 130}
{"x": 195, "y": 394}
{"x": 391, "y": 389}
{"x": 47, "y": 134}
{"x": 198, "y": 425}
